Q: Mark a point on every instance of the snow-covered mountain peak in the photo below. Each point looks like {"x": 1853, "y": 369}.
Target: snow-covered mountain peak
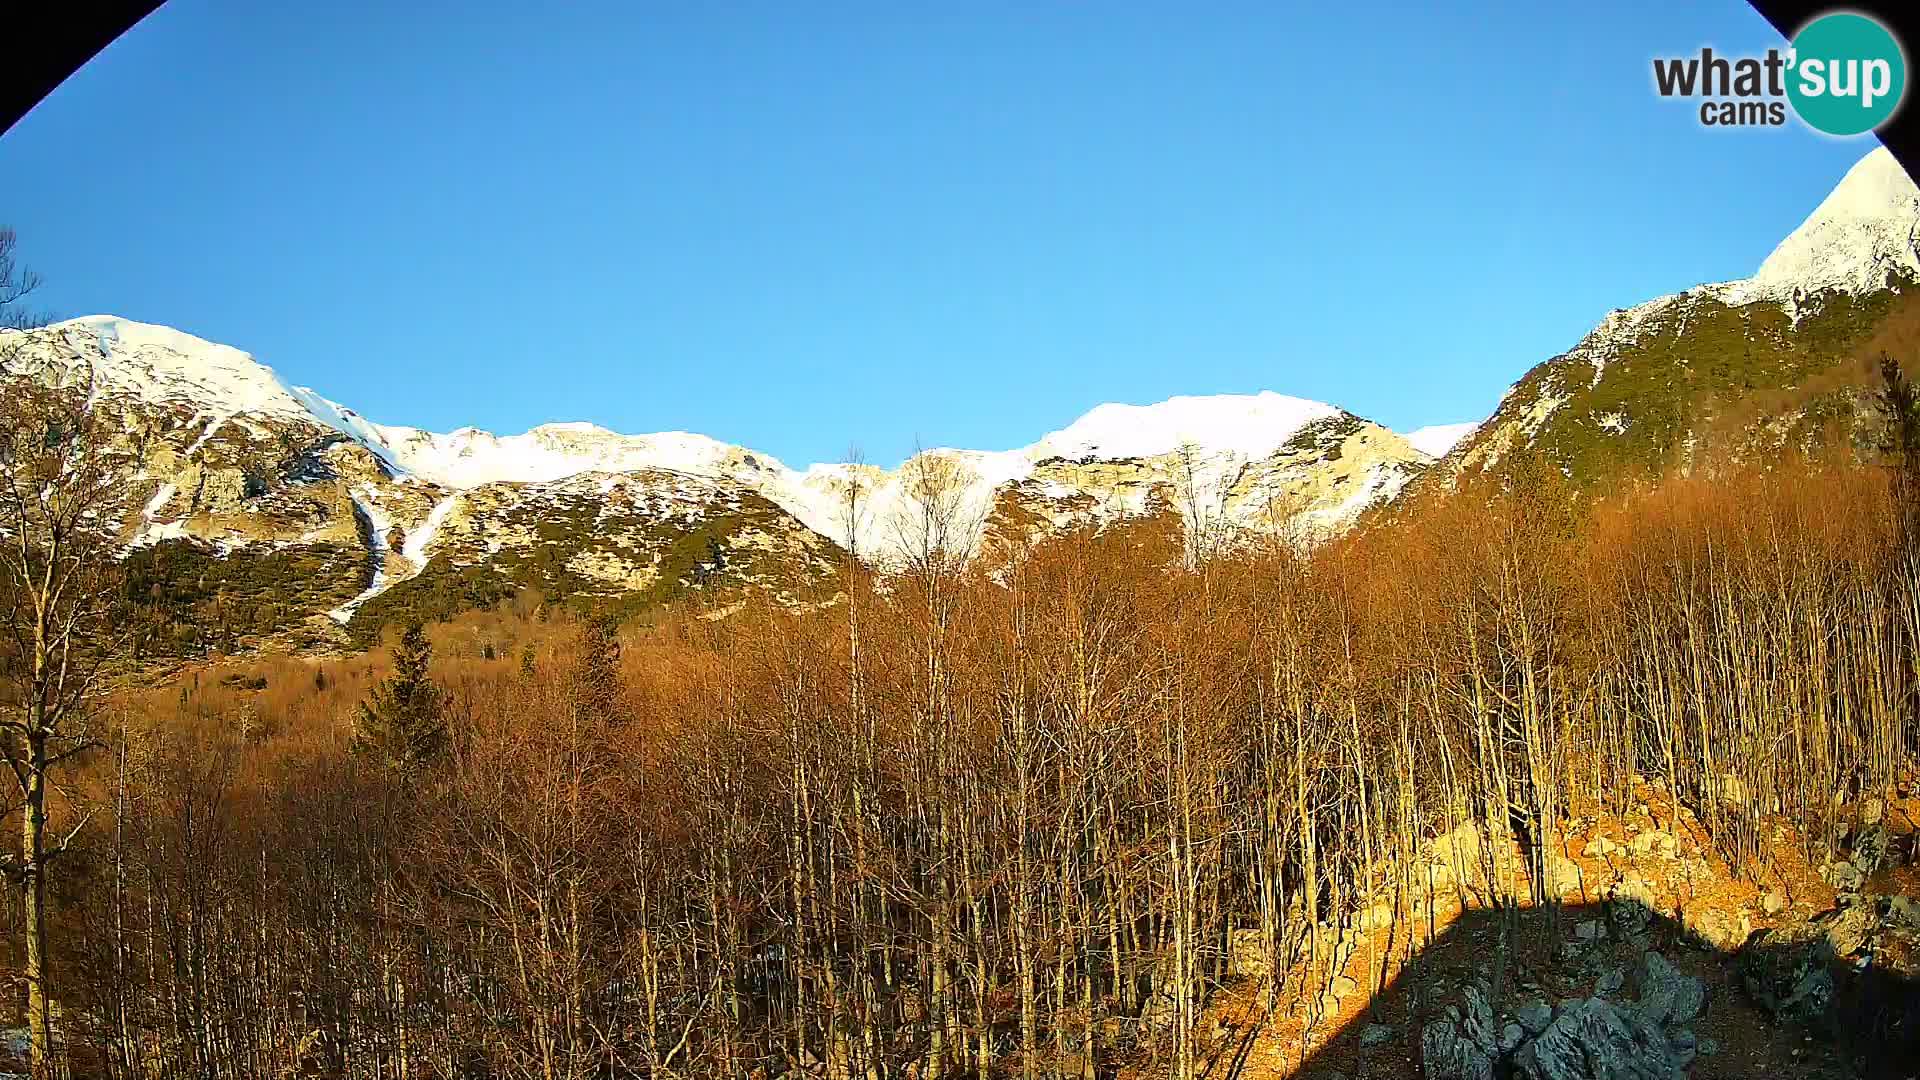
{"x": 1866, "y": 229}
{"x": 1862, "y": 240}
{"x": 159, "y": 363}
{"x": 112, "y": 330}
{"x": 470, "y": 457}
{"x": 163, "y": 366}
{"x": 1863, "y": 236}
{"x": 1252, "y": 425}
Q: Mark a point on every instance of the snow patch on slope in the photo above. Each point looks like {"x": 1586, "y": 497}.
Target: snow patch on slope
{"x": 378, "y": 523}
{"x": 214, "y": 423}
{"x": 414, "y": 550}
{"x": 1435, "y": 440}
{"x": 159, "y": 500}
{"x": 1380, "y": 485}
{"x": 1254, "y": 425}
{"x": 150, "y": 531}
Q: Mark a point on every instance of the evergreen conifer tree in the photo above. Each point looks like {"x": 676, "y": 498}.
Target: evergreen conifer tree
{"x": 597, "y": 668}
{"x": 404, "y": 722}
{"x": 1901, "y": 403}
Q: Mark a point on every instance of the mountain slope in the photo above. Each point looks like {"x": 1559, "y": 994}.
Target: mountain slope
{"x": 1731, "y": 366}
{"x": 272, "y": 512}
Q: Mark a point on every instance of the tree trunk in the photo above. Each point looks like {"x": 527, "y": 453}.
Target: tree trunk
{"x": 33, "y": 898}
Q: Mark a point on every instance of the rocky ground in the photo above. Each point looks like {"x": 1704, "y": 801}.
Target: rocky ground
{"x": 1657, "y": 963}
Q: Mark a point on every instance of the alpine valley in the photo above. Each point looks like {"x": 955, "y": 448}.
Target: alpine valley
{"x": 270, "y": 516}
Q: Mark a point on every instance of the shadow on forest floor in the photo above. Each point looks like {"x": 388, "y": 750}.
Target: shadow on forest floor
{"x": 1614, "y": 989}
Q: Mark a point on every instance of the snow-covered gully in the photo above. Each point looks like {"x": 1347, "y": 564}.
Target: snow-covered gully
{"x": 413, "y": 549}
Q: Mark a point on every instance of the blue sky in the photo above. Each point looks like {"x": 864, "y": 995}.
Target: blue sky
{"x": 800, "y": 226}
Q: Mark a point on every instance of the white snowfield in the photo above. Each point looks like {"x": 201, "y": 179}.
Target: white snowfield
{"x": 1253, "y": 425}
{"x": 1436, "y": 440}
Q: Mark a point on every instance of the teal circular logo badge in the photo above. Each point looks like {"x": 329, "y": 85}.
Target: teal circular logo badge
{"x": 1848, "y": 74}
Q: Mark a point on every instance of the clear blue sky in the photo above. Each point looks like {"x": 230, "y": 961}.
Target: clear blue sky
{"x": 797, "y": 226}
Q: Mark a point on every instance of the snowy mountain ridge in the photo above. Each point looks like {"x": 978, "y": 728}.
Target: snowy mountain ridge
{"x": 267, "y": 511}
{"x": 166, "y": 367}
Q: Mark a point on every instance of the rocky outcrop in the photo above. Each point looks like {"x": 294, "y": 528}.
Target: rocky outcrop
{"x": 1666, "y": 995}
{"x": 1590, "y": 1038}
{"x": 1448, "y": 1053}
{"x": 1462, "y": 1045}
{"x": 1248, "y": 956}
{"x": 1850, "y": 970}
{"x": 1594, "y": 1039}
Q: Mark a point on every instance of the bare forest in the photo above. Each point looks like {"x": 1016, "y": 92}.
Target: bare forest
{"x": 968, "y": 820}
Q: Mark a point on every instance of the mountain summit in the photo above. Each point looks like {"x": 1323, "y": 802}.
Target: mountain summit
{"x": 1862, "y": 237}
{"x": 1729, "y": 364}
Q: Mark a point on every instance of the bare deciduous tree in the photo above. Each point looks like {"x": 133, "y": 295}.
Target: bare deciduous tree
{"x": 61, "y": 507}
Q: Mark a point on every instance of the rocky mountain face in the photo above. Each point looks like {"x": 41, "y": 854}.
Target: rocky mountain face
{"x": 270, "y": 513}
{"x": 1782, "y": 358}
{"x": 274, "y": 514}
